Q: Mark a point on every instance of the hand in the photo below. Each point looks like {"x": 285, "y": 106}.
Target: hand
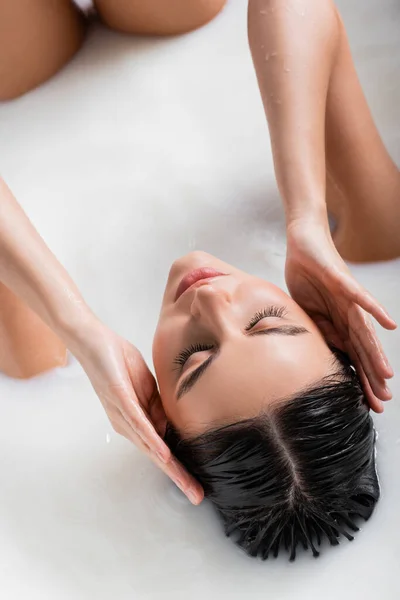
{"x": 320, "y": 282}
{"x": 128, "y": 392}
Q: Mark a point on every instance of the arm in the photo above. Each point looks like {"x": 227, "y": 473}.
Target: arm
{"x": 31, "y": 271}
{"x": 115, "y": 368}
{"x": 295, "y": 46}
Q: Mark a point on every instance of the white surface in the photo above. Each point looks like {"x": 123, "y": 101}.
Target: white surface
{"x": 139, "y": 151}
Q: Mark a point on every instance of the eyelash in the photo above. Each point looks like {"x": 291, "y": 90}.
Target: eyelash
{"x": 184, "y": 356}
{"x": 269, "y": 311}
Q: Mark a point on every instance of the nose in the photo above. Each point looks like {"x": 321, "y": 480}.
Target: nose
{"x": 212, "y": 306}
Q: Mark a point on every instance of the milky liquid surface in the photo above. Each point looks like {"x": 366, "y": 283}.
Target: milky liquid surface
{"x": 137, "y": 152}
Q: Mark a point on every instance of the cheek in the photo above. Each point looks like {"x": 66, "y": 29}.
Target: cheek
{"x": 163, "y": 357}
{"x": 156, "y": 343}
{"x": 159, "y": 349}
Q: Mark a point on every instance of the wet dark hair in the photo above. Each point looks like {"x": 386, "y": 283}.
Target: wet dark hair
{"x": 301, "y": 472}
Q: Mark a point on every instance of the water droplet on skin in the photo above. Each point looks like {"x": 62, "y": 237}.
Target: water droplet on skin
{"x": 296, "y": 8}
{"x": 267, "y": 56}
{"x": 286, "y": 67}
{"x": 274, "y": 54}
{"x": 276, "y": 100}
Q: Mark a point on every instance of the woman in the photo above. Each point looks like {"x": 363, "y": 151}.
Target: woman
{"x": 299, "y": 108}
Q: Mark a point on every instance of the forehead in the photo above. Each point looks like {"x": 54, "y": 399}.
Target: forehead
{"x": 249, "y": 375}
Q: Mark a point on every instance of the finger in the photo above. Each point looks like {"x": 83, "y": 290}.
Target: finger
{"x": 332, "y": 337}
{"x": 182, "y": 478}
{"x": 373, "y": 401}
{"x": 137, "y": 419}
{"x": 377, "y": 384}
{"x": 367, "y": 343}
{"x": 358, "y": 294}
{"x": 363, "y": 333}
{"x": 329, "y": 332}
{"x": 366, "y": 348}
{"x": 173, "y": 469}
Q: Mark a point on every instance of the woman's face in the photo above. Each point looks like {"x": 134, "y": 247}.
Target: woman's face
{"x": 229, "y": 345}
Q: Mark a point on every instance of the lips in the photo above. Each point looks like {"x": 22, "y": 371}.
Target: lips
{"x": 194, "y": 277}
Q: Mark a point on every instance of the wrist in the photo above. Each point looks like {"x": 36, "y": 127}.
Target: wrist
{"x": 78, "y": 328}
{"x": 307, "y": 214}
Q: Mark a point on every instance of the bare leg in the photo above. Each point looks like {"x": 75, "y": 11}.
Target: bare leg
{"x": 363, "y": 190}
{"x": 157, "y": 17}
{"x": 321, "y": 128}
{"x": 27, "y": 346}
{"x": 37, "y": 38}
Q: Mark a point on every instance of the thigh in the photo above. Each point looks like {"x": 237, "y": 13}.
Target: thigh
{"x": 37, "y": 37}
{"x": 157, "y": 17}
{"x": 27, "y": 346}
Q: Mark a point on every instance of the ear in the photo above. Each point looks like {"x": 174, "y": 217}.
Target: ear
{"x": 157, "y": 414}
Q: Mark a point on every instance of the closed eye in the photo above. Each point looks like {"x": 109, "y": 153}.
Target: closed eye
{"x": 188, "y": 382}
{"x": 267, "y": 312}
{"x": 285, "y": 329}
{"x": 184, "y": 356}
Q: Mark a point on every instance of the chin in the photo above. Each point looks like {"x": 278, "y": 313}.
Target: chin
{"x": 192, "y": 260}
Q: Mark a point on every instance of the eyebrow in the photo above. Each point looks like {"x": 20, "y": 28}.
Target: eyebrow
{"x": 189, "y": 381}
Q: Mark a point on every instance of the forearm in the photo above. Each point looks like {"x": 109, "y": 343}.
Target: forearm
{"x": 293, "y": 45}
{"x": 31, "y": 271}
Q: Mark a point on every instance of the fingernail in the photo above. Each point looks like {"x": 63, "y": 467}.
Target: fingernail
{"x": 386, "y": 361}
{"x": 389, "y": 368}
{"x": 192, "y": 496}
{"x": 180, "y": 485}
{"x": 388, "y": 391}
